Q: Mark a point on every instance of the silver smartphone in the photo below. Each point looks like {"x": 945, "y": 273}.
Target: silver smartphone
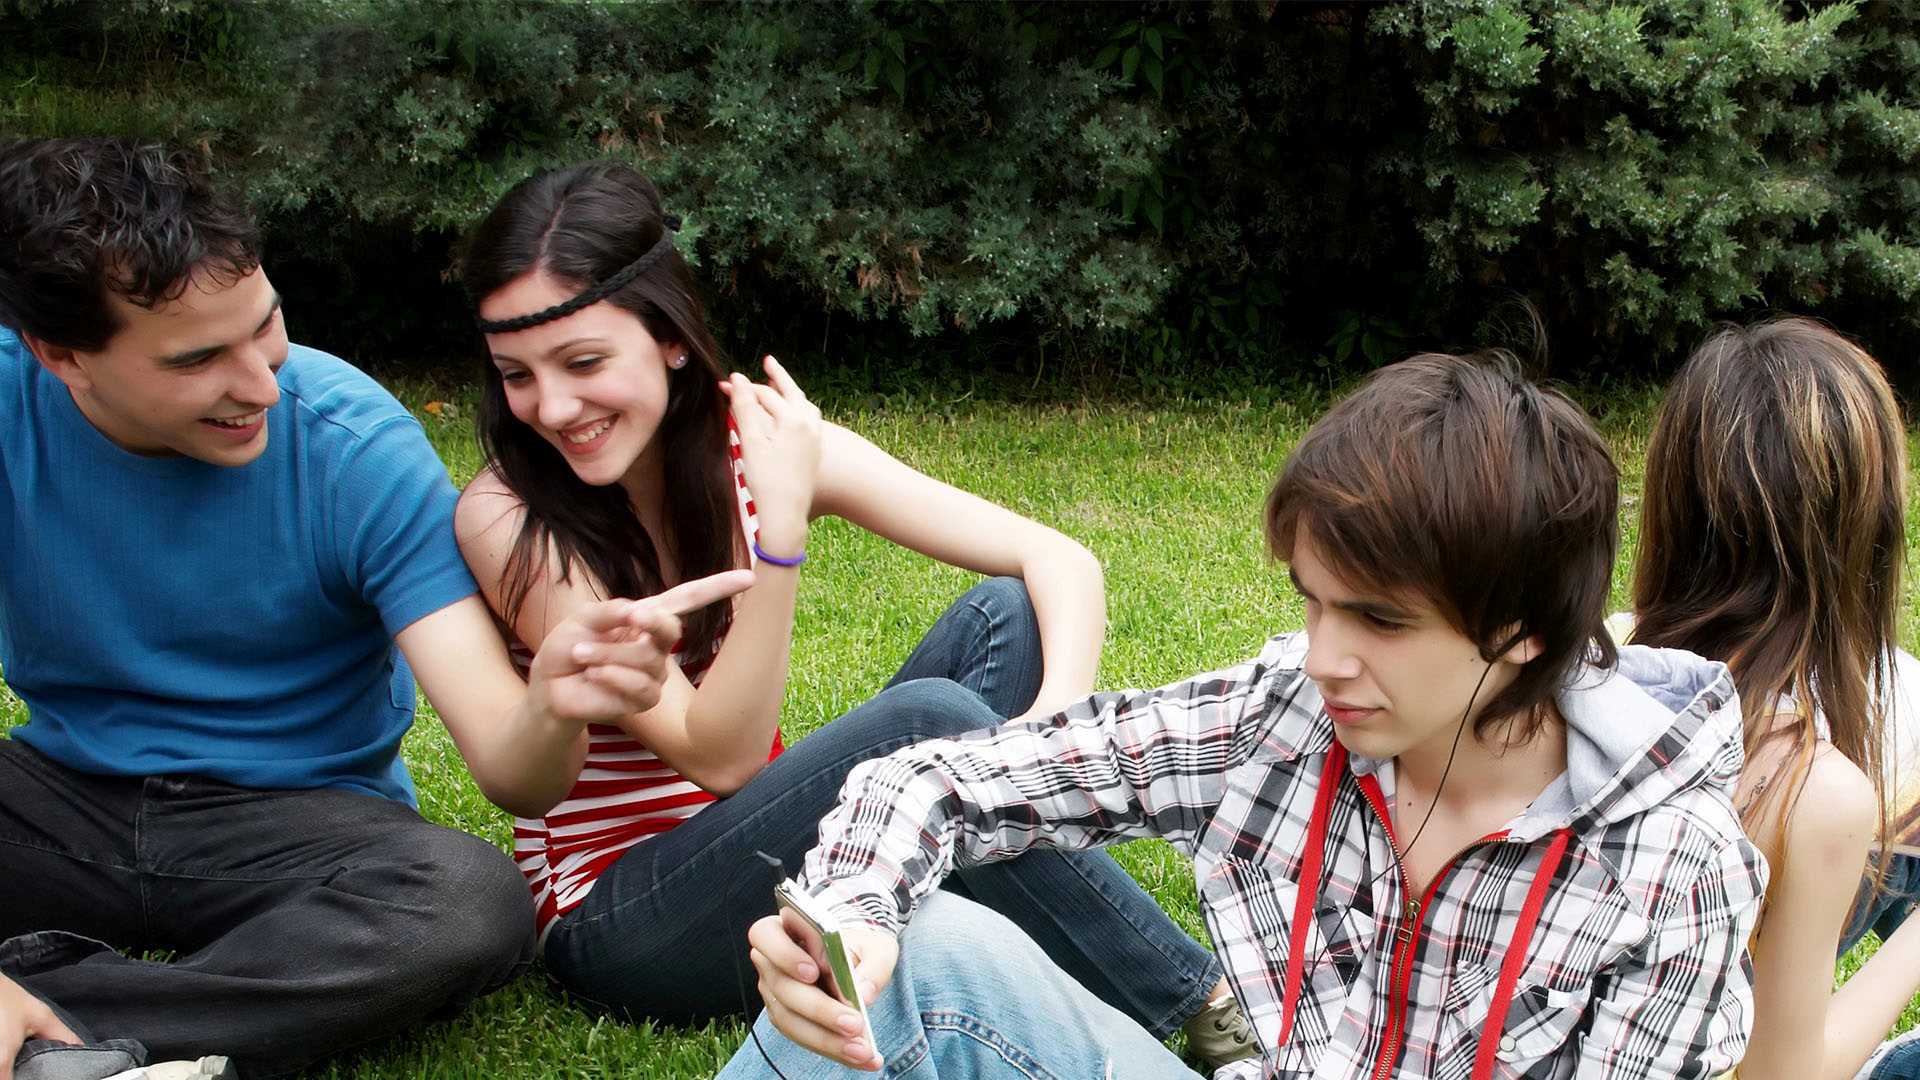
{"x": 826, "y": 926}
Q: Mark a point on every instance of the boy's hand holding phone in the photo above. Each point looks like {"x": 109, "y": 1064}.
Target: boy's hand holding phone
{"x": 797, "y": 983}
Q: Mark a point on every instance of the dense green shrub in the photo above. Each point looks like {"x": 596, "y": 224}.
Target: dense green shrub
{"x": 1149, "y": 186}
{"x": 1642, "y": 169}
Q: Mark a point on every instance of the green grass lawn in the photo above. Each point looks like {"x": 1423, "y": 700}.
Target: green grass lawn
{"x": 1167, "y": 497}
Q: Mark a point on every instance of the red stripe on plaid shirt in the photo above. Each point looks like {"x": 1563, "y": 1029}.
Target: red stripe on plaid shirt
{"x": 1516, "y": 959}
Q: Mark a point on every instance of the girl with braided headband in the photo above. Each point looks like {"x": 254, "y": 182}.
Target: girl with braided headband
{"x": 621, "y": 458}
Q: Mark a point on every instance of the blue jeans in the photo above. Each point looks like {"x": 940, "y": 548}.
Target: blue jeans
{"x": 663, "y": 933}
{"x": 972, "y": 996}
{"x": 1883, "y": 916}
{"x": 1902, "y": 1062}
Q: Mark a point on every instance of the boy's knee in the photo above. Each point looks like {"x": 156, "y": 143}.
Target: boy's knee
{"x": 479, "y": 930}
{"x": 952, "y": 937}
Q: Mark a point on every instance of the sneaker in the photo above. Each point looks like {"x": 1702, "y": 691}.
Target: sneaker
{"x": 206, "y": 1068}
{"x": 1219, "y": 1033}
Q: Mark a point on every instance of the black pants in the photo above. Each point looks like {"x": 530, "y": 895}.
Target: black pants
{"x": 302, "y": 923}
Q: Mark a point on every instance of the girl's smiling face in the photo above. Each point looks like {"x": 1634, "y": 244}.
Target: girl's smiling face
{"x": 593, "y": 383}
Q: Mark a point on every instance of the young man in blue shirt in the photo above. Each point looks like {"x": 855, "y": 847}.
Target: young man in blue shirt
{"x": 224, "y": 562}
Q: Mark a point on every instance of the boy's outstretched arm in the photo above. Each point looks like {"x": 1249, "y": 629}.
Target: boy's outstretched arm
{"x": 1120, "y": 765}
{"x": 1113, "y": 767}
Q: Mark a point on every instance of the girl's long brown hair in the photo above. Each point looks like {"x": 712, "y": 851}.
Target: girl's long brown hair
{"x": 1771, "y": 537}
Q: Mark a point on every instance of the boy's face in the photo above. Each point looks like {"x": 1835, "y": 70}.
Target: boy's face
{"x": 1393, "y": 673}
{"x": 193, "y": 377}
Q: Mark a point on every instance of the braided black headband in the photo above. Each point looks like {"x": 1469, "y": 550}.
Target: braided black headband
{"x": 593, "y": 294}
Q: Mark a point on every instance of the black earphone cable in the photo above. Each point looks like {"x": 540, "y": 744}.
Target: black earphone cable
{"x": 1400, "y": 857}
{"x": 740, "y": 978}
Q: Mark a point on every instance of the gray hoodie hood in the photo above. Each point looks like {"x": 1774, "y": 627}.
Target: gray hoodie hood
{"x": 1661, "y": 722}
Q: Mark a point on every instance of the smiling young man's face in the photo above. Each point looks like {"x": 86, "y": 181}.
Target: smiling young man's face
{"x": 192, "y": 377}
{"x": 1393, "y": 673}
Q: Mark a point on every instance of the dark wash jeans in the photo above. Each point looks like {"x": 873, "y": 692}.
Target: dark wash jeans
{"x": 303, "y": 922}
{"x": 663, "y": 933}
{"x": 1883, "y": 916}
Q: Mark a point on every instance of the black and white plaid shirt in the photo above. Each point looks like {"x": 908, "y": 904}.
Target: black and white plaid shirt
{"x": 1635, "y": 965}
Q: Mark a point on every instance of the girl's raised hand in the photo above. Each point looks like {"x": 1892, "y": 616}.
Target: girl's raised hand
{"x": 780, "y": 448}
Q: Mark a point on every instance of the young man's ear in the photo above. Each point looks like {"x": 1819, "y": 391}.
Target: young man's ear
{"x": 1525, "y": 650}
{"x": 61, "y": 361}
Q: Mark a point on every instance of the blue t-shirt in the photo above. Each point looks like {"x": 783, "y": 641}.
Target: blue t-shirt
{"x": 163, "y": 615}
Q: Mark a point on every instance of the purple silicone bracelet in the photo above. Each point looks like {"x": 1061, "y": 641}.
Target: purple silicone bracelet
{"x": 775, "y": 560}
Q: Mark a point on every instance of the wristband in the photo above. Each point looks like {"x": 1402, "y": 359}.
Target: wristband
{"x": 774, "y": 560}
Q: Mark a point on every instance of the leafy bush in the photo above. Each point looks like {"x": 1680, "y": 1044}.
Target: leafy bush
{"x": 1641, "y": 170}
{"x": 1149, "y": 187}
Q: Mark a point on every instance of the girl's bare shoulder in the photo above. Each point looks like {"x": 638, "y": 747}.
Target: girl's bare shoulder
{"x": 486, "y": 504}
{"x": 1836, "y": 812}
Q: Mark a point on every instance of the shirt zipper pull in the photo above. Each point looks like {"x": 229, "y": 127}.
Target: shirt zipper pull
{"x": 1411, "y": 918}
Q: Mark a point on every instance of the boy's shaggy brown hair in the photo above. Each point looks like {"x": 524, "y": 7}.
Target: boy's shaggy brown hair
{"x": 1455, "y": 479}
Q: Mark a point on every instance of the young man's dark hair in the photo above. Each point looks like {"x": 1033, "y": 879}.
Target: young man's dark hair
{"x": 224, "y": 561}
{"x": 1396, "y": 881}
{"x": 90, "y": 217}
{"x": 1456, "y": 479}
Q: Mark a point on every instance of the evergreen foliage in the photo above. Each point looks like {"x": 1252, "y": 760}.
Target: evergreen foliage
{"x": 1150, "y": 186}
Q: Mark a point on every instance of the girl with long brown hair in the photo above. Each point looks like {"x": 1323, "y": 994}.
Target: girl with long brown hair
{"x": 1771, "y": 537}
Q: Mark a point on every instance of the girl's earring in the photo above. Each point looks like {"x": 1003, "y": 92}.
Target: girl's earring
{"x": 678, "y": 361}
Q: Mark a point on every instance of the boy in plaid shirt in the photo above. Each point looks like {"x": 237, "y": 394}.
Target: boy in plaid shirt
{"x": 1447, "y": 831}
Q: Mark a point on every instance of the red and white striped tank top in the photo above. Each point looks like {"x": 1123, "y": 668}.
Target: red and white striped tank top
{"x": 624, "y": 793}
